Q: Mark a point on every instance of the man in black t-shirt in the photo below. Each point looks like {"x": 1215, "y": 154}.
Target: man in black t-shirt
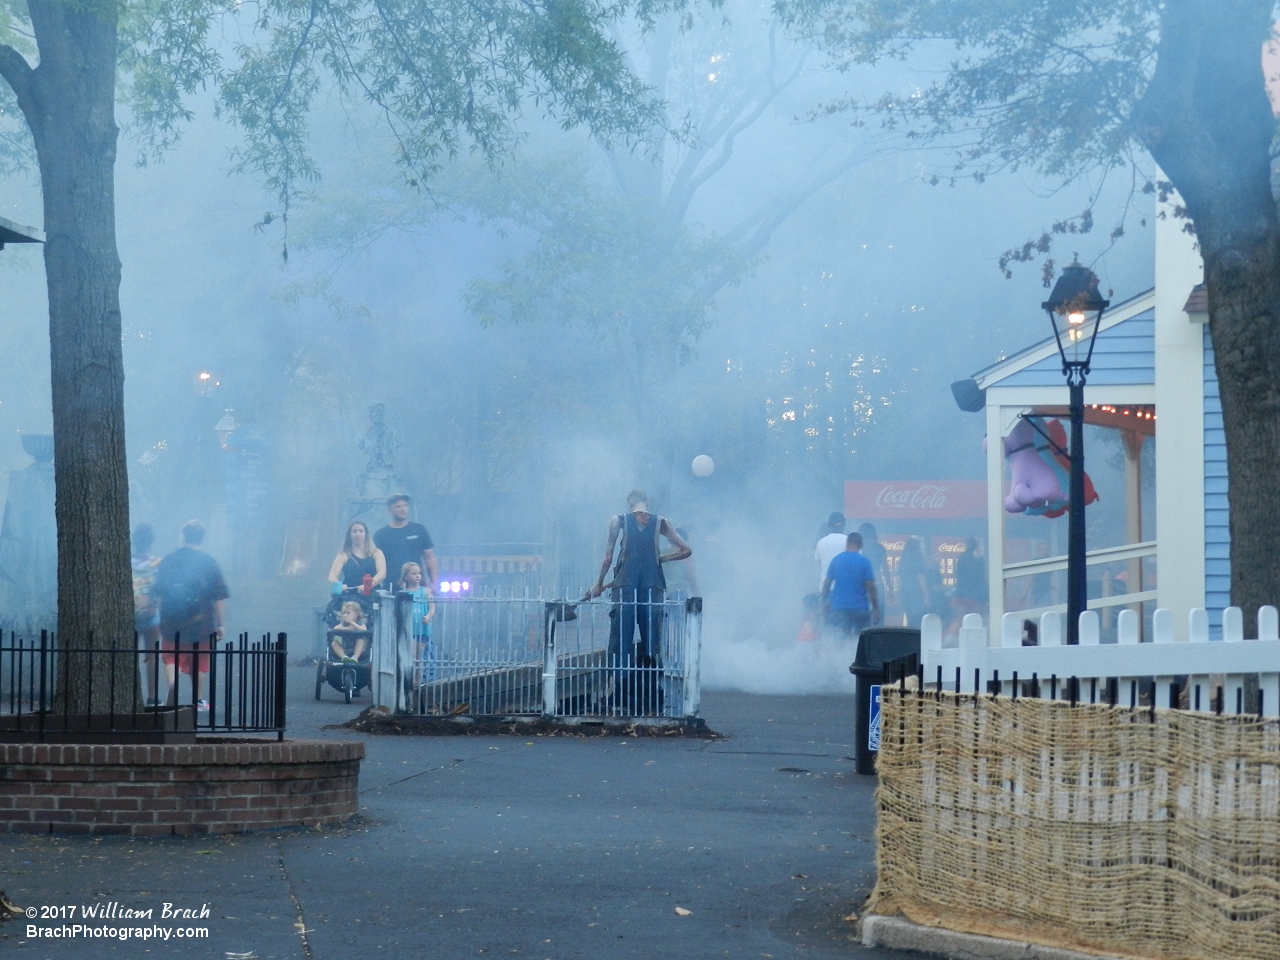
{"x": 403, "y": 541}
{"x": 193, "y": 607}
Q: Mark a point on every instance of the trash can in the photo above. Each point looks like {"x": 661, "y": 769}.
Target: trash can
{"x": 884, "y": 654}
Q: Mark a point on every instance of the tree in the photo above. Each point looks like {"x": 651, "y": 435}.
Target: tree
{"x": 444, "y": 76}
{"x": 618, "y": 249}
{"x": 1067, "y": 86}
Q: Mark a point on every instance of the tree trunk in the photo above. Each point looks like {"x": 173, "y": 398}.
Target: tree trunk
{"x": 1208, "y": 123}
{"x": 69, "y": 105}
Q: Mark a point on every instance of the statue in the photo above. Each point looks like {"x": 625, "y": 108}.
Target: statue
{"x": 378, "y": 480}
{"x": 379, "y": 442}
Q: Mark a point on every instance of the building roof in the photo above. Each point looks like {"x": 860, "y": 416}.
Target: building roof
{"x": 11, "y": 232}
{"x": 1198, "y": 302}
{"x": 1121, "y": 356}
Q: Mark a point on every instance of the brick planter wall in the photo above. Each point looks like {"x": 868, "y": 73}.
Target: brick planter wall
{"x": 213, "y": 786}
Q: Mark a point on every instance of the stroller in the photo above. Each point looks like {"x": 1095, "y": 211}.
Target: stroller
{"x": 345, "y": 677}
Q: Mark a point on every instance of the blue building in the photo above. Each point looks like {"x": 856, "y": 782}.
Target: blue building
{"x": 1158, "y": 531}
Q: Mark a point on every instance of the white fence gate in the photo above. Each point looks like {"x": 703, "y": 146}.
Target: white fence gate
{"x": 1199, "y": 675}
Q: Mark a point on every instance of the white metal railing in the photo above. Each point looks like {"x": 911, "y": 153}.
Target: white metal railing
{"x": 1128, "y": 551}
{"x": 1093, "y": 558}
{"x": 502, "y": 656}
{"x": 1200, "y": 674}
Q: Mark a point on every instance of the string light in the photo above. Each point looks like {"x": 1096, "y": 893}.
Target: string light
{"x": 1137, "y": 412}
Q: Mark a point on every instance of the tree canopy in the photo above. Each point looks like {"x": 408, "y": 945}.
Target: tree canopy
{"x": 445, "y": 77}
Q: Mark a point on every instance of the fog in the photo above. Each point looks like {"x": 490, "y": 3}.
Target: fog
{"x": 532, "y": 376}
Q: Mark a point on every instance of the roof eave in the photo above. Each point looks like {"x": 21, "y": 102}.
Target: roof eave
{"x": 11, "y": 232}
{"x": 1117, "y": 314}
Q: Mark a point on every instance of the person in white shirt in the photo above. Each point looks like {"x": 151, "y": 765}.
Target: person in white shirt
{"x": 830, "y": 545}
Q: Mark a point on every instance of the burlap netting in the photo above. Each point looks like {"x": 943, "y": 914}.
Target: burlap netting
{"x": 1129, "y": 833}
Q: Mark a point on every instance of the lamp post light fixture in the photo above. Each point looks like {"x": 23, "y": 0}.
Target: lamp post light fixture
{"x": 1075, "y": 309}
{"x": 205, "y": 383}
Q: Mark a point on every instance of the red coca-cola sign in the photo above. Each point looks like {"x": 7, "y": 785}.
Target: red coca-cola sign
{"x": 914, "y": 499}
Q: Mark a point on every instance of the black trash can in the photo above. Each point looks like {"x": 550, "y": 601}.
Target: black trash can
{"x": 884, "y": 655}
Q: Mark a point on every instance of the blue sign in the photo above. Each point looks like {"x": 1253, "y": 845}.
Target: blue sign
{"x": 873, "y": 719}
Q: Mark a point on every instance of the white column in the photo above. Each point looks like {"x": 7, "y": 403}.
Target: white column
{"x": 1179, "y": 424}
{"x": 995, "y": 513}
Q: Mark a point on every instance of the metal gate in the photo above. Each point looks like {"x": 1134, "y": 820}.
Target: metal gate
{"x": 502, "y": 656}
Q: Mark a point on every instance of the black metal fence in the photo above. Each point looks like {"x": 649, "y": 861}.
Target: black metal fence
{"x": 242, "y": 690}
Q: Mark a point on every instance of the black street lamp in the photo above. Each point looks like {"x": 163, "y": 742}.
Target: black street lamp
{"x": 1075, "y": 310}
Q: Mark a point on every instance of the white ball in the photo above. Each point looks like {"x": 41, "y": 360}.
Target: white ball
{"x": 703, "y": 466}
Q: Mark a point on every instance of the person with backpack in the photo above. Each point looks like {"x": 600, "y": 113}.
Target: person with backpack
{"x": 193, "y": 605}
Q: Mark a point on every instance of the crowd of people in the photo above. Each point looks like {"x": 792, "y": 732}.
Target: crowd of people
{"x": 854, "y": 579}
{"x": 180, "y": 599}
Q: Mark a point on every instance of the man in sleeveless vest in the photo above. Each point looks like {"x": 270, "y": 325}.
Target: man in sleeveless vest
{"x": 638, "y": 590}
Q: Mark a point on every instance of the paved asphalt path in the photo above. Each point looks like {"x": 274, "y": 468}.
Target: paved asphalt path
{"x": 544, "y": 849}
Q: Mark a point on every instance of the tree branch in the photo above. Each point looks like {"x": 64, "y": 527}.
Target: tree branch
{"x": 754, "y": 232}
{"x": 689, "y": 178}
{"x": 17, "y": 73}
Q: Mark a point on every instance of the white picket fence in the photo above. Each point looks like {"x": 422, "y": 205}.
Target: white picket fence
{"x": 988, "y": 660}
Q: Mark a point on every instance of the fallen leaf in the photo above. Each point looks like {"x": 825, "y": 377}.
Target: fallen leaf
{"x": 852, "y": 918}
{"x": 681, "y": 911}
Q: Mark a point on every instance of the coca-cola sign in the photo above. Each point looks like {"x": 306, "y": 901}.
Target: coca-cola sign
{"x": 914, "y": 499}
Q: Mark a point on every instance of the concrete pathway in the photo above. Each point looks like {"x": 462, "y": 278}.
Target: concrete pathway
{"x": 503, "y": 847}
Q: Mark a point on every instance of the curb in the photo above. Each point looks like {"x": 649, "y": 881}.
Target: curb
{"x": 899, "y": 934}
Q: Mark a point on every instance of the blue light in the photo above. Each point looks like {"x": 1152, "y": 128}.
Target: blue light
{"x": 466, "y": 584}
{"x": 444, "y": 586}
{"x": 455, "y": 586}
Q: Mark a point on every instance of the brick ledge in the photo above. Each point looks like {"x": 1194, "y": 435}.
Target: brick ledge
{"x": 202, "y": 753}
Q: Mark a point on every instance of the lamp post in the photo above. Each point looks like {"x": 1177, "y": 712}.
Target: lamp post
{"x": 1075, "y": 309}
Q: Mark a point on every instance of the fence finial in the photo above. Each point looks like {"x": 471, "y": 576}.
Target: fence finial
{"x": 1090, "y": 628}
{"x": 972, "y": 632}
{"x": 1051, "y": 629}
{"x": 1233, "y": 625}
{"x": 1127, "y": 627}
{"x": 1162, "y": 626}
{"x": 1198, "y": 625}
{"x": 930, "y": 632}
{"x": 1011, "y": 630}
{"x": 1268, "y": 623}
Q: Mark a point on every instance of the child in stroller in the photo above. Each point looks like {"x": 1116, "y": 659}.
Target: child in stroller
{"x": 350, "y": 621}
{"x": 346, "y": 665}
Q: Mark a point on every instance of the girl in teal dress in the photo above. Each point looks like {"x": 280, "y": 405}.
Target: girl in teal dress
{"x": 424, "y": 611}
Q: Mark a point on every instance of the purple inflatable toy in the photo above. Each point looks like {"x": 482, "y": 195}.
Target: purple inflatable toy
{"x": 1034, "y": 484}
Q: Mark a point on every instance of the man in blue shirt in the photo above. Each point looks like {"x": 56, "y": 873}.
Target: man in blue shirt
{"x": 849, "y": 590}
